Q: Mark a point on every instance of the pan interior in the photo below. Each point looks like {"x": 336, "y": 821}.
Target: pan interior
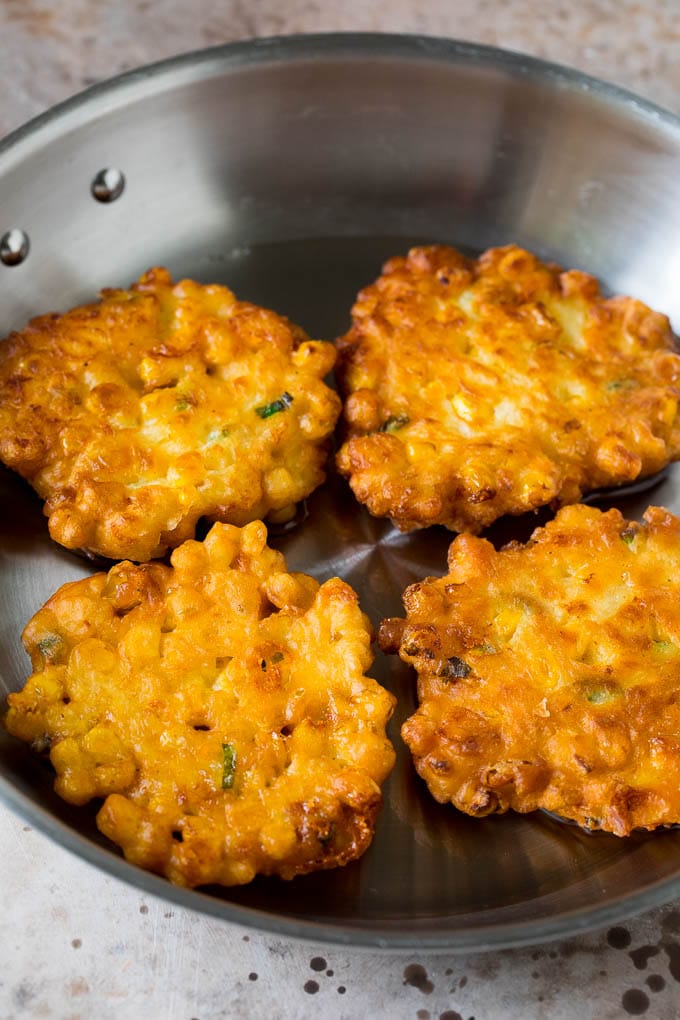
{"x": 429, "y": 866}
{"x": 289, "y": 170}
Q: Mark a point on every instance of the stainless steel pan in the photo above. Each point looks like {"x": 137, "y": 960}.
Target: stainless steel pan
{"x": 290, "y": 168}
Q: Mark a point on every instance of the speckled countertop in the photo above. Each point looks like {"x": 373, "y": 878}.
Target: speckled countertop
{"x": 78, "y": 944}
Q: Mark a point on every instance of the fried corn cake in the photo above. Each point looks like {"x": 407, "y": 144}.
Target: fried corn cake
{"x": 218, "y": 705}
{"x": 137, "y": 415}
{"x": 482, "y": 387}
{"x": 549, "y": 673}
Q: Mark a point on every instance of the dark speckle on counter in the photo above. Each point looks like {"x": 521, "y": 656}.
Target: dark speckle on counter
{"x": 311, "y": 987}
{"x": 144, "y": 909}
{"x": 655, "y": 983}
{"x": 318, "y": 963}
{"x": 672, "y": 951}
{"x": 635, "y": 1002}
{"x": 619, "y": 938}
{"x": 671, "y": 922}
{"x": 642, "y": 956}
{"x": 416, "y": 976}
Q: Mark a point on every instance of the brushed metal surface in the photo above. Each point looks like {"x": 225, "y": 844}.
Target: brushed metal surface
{"x": 289, "y": 169}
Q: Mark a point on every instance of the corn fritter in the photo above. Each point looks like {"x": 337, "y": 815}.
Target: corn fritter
{"x": 220, "y": 708}
{"x": 135, "y": 416}
{"x": 482, "y": 387}
{"x": 549, "y": 673}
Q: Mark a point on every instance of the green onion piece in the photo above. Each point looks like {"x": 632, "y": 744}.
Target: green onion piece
{"x": 455, "y": 668}
{"x": 486, "y": 649}
{"x": 267, "y": 410}
{"x": 628, "y": 535}
{"x": 228, "y": 766}
{"x": 599, "y": 696}
{"x": 184, "y": 402}
{"x": 394, "y": 423}
{"x": 49, "y": 644}
{"x": 620, "y": 384}
{"x": 601, "y": 693}
{"x": 664, "y": 647}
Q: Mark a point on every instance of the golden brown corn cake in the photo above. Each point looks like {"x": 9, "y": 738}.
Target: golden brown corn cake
{"x": 481, "y": 387}
{"x": 219, "y": 706}
{"x": 135, "y": 416}
{"x": 549, "y": 673}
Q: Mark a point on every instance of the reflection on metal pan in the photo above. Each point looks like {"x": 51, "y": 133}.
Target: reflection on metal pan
{"x": 290, "y": 169}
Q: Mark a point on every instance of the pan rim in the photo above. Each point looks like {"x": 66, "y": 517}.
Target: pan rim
{"x": 196, "y": 64}
{"x": 481, "y": 938}
{"x": 199, "y": 65}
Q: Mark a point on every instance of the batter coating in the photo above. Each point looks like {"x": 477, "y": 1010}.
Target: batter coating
{"x": 219, "y": 706}
{"x": 482, "y": 387}
{"x": 549, "y": 673}
{"x": 135, "y": 416}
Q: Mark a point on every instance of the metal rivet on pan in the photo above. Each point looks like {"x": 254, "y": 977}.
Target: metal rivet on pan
{"x": 108, "y": 184}
{"x": 14, "y": 245}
